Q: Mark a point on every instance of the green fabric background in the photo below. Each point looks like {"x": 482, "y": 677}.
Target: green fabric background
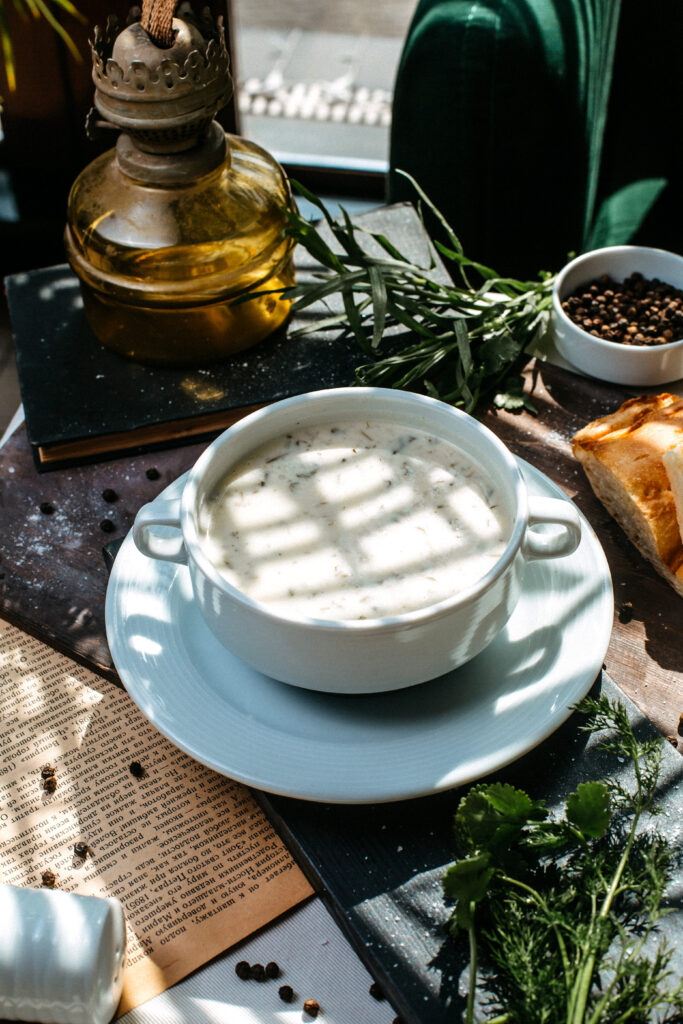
{"x": 519, "y": 118}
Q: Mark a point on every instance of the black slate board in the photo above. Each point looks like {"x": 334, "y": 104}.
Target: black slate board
{"x": 379, "y": 867}
{"x": 74, "y": 389}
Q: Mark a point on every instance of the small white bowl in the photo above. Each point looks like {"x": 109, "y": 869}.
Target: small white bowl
{"x": 373, "y": 654}
{"x": 640, "y": 365}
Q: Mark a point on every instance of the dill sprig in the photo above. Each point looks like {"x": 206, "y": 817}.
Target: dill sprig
{"x": 467, "y": 334}
{"x": 566, "y": 909}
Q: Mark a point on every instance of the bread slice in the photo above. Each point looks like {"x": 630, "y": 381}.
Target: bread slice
{"x": 673, "y": 464}
{"x": 622, "y": 454}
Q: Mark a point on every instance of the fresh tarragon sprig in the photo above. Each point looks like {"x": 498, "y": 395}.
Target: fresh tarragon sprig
{"x": 566, "y": 909}
{"x": 466, "y": 336}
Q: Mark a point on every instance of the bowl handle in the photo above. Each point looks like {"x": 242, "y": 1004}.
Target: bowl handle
{"x": 551, "y": 545}
{"x": 166, "y": 547}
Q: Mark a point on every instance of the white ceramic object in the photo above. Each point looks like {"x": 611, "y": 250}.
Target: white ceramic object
{"x": 62, "y": 956}
{"x": 639, "y": 365}
{"x": 372, "y": 748}
{"x": 371, "y": 655}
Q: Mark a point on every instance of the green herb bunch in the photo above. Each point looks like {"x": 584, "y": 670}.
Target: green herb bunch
{"x": 467, "y": 335}
{"x": 566, "y": 909}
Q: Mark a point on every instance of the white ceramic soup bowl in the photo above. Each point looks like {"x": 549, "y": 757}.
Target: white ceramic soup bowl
{"x": 638, "y": 365}
{"x": 359, "y": 655}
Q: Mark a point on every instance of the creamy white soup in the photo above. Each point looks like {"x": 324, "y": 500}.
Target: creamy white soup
{"x": 354, "y": 521}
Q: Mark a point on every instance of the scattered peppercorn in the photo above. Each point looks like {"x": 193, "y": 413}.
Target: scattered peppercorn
{"x": 50, "y": 784}
{"x": 107, "y": 526}
{"x": 81, "y": 850}
{"x": 311, "y": 1007}
{"x": 673, "y": 740}
{"x": 286, "y": 993}
{"x": 47, "y": 508}
{"x": 272, "y": 970}
{"x": 48, "y": 879}
{"x": 680, "y": 725}
{"x": 376, "y": 991}
{"x": 626, "y": 612}
{"x": 258, "y": 972}
{"x": 397, "y": 1020}
{"x": 109, "y": 494}
{"x": 152, "y": 474}
{"x": 47, "y": 771}
{"x": 136, "y": 770}
{"x": 243, "y": 970}
{"x": 637, "y": 311}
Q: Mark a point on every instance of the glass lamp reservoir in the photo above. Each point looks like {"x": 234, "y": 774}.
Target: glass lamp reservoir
{"x": 169, "y": 228}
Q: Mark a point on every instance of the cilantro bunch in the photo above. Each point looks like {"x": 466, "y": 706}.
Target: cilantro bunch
{"x": 467, "y": 336}
{"x": 566, "y": 909}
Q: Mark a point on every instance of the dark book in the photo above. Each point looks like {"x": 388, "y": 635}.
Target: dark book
{"x": 85, "y": 403}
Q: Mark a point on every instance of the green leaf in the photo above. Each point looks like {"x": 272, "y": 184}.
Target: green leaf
{"x": 622, "y": 214}
{"x": 589, "y": 809}
{"x": 389, "y": 247}
{"x": 379, "y": 304}
{"x": 497, "y": 352}
{"x": 468, "y": 879}
{"x": 463, "y": 343}
{"x": 491, "y": 817}
{"x": 511, "y": 397}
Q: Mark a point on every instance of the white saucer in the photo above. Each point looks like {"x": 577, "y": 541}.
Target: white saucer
{"x": 376, "y": 748}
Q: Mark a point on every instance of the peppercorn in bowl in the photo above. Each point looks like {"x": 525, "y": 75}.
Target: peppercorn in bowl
{"x": 618, "y": 315}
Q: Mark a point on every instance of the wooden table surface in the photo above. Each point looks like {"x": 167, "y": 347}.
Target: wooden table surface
{"x": 53, "y": 577}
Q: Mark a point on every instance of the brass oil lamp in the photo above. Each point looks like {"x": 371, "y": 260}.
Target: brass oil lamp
{"x": 180, "y": 219}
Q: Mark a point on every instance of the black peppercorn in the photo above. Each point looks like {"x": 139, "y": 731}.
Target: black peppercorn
{"x": 48, "y": 879}
{"x": 258, "y": 972}
{"x": 286, "y": 993}
{"x": 136, "y": 770}
{"x": 243, "y": 970}
{"x": 46, "y": 508}
{"x": 47, "y": 771}
{"x": 272, "y": 970}
{"x": 81, "y": 850}
{"x": 107, "y": 526}
{"x": 109, "y": 494}
{"x": 376, "y": 991}
{"x": 50, "y": 785}
{"x": 311, "y": 1007}
{"x": 152, "y": 474}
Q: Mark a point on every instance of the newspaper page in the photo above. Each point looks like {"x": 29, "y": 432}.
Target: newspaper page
{"x": 192, "y": 857}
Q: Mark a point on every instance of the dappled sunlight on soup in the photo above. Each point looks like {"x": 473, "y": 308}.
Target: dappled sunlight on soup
{"x": 354, "y": 521}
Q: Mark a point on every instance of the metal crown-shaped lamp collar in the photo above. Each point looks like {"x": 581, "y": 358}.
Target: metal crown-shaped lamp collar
{"x": 163, "y": 96}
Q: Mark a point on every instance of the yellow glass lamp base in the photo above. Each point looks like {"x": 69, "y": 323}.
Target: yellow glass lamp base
{"x": 162, "y": 263}
{"x": 186, "y": 336}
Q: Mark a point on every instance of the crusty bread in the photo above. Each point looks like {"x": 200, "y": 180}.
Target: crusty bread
{"x": 673, "y": 464}
{"x": 622, "y": 454}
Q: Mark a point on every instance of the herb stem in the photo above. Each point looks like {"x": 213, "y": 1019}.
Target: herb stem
{"x": 472, "y": 937}
{"x": 584, "y": 979}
